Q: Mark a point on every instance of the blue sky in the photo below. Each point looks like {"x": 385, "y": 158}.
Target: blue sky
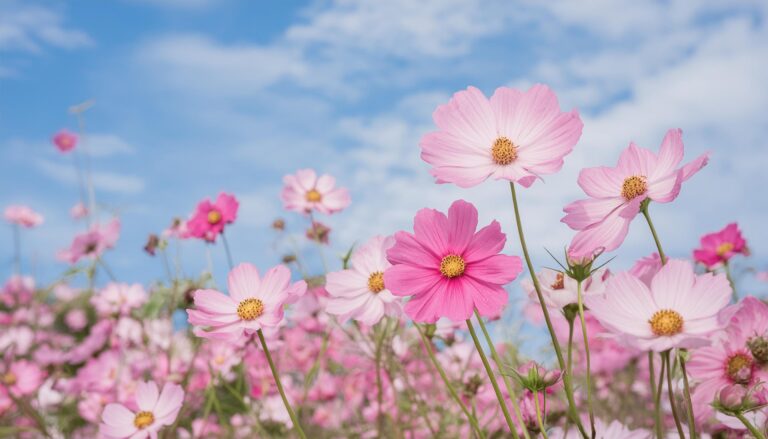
{"x": 195, "y": 97}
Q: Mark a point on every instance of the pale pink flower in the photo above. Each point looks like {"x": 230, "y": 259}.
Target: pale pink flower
{"x": 647, "y": 267}
{"x": 678, "y": 310}
{"x": 448, "y": 267}
{"x": 65, "y": 141}
{"x": 305, "y": 192}
{"x": 718, "y": 247}
{"x": 78, "y": 211}
{"x": 560, "y": 290}
{"x": 22, "y": 216}
{"x": 603, "y": 430}
{"x": 155, "y": 411}
{"x": 253, "y": 303}
{"x": 359, "y": 293}
{"x": 516, "y": 136}
{"x": 76, "y": 319}
{"x": 119, "y": 298}
{"x": 209, "y": 219}
{"x": 178, "y": 229}
{"x": 617, "y": 193}
{"x": 17, "y": 290}
{"x": 92, "y": 243}
{"x": 22, "y": 378}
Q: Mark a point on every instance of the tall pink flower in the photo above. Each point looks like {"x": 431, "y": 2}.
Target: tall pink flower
{"x": 718, "y": 247}
{"x": 155, "y": 411}
{"x": 253, "y": 303}
{"x": 93, "y": 243}
{"x": 617, "y": 193}
{"x": 65, "y": 141}
{"x": 359, "y": 293}
{"x": 448, "y": 267}
{"x": 516, "y": 136}
{"x": 209, "y": 219}
{"x": 305, "y": 192}
{"x": 678, "y": 310}
{"x": 22, "y": 216}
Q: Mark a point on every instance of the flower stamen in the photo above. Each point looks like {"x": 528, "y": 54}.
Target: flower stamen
{"x": 452, "y": 266}
{"x": 143, "y": 420}
{"x": 503, "y": 151}
{"x": 313, "y": 196}
{"x": 724, "y": 248}
{"x": 559, "y": 282}
{"x": 250, "y": 309}
{"x": 376, "y": 282}
{"x": 9, "y": 378}
{"x": 666, "y": 322}
{"x": 634, "y": 186}
{"x": 214, "y": 217}
{"x": 739, "y": 368}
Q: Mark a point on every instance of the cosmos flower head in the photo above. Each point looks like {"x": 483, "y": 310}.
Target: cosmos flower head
{"x": 209, "y": 219}
{"x": 65, "y": 141}
{"x": 719, "y": 247}
{"x": 305, "y": 192}
{"x": 22, "y": 216}
{"x": 155, "y": 411}
{"x": 92, "y": 243}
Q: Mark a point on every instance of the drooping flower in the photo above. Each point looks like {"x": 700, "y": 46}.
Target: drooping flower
{"x": 65, "y": 141}
{"x": 209, "y": 219}
{"x": 359, "y": 293}
{"x": 616, "y": 193}
{"x": 155, "y": 411}
{"x": 92, "y": 243}
{"x": 678, "y": 310}
{"x": 253, "y": 302}
{"x": 718, "y": 247}
{"x": 515, "y": 135}
{"x": 305, "y": 192}
{"x": 22, "y": 216}
{"x": 448, "y": 267}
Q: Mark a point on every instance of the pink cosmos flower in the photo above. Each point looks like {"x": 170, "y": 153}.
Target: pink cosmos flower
{"x": 93, "y": 243}
{"x": 617, "y": 193}
{"x": 678, "y": 310}
{"x": 78, "y": 211}
{"x": 448, "y": 267}
{"x": 647, "y": 267}
{"x": 22, "y": 216}
{"x": 305, "y": 192}
{"x": 359, "y": 293}
{"x": 516, "y": 136}
{"x": 318, "y": 232}
{"x": 253, "y": 303}
{"x": 559, "y": 290}
{"x": 603, "y": 430}
{"x": 119, "y": 298}
{"x": 65, "y": 141}
{"x": 17, "y": 290}
{"x": 22, "y": 378}
{"x": 718, "y": 247}
{"x": 178, "y": 229}
{"x": 209, "y": 219}
{"x": 156, "y": 410}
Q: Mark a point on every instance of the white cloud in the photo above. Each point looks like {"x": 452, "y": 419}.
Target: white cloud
{"x": 178, "y": 4}
{"x": 107, "y": 145}
{"x": 102, "y": 180}
{"x": 29, "y": 28}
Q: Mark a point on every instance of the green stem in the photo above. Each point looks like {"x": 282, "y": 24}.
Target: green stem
{"x": 729, "y": 276}
{"x": 752, "y": 429}
{"x": 507, "y": 381}
{"x": 379, "y": 386}
{"x": 279, "y": 384}
{"x": 569, "y": 363}
{"x": 580, "y": 300}
{"x": 492, "y": 377}
{"x": 226, "y": 250}
{"x": 656, "y": 411}
{"x": 688, "y": 401}
{"x": 539, "y": 418}
{"x": 568, "y": 384}
{"x": 671, "y": 394}
{"x": 663, "y": 257}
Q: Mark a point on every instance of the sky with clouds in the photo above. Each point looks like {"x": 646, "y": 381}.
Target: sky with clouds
{"x": 202, "y": 96}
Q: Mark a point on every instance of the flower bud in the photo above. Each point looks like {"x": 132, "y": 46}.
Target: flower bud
{"x": 731, "y": 397}
{"x": 759, "y": 348}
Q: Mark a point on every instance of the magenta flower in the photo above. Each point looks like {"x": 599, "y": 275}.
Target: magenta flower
{"x": 65, "y": 141}
{"x": 253, "y": 303}
{"x": 209, "y": 219}
{"x": 93, "y": 243}
{"x": 155, "y": 411}
{"x": 678, "y": 310}
{"x": 448, "y": 267}
{"x": 718, "y": 247}
{"x": 305, "y": 192}
{"x": 617, "y": 193}
{"x": 22, "y": 216}
{"x": 516, "y": 136}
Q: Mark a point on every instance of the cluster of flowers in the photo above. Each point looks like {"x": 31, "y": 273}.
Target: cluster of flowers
{"x": 386, "y": 345}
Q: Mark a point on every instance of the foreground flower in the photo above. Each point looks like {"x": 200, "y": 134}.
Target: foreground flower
{"x": 717, "y": 248}
{"x": 156, "y": 410}
{"x": 617, "y": 193}
{"x": 305, "y": 192}
{"x": 448, "y": 267}
{"x": 253, "y": 303}
{"x": 209, "y": 219}
{"x": 22, "y": 216}
{"x": 93, "y": 243}
{"x": 65, "y": 141}
{"x": 516, "y": 136}
{"x": 678, "y": 310}
{"x": 360, "y": 293}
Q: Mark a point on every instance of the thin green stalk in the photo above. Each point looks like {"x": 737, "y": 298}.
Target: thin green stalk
{"x": 542, "y": 426}
{"x": 107, "y": 270}
{"x": 752, "y": 429}
{"x": 226, "y": 250}
{"x": 567, "y": 381}
{"x": 492, "y": 377}
{"x": 688, "y": 401}
{"x": 279, "y": 384}
{"x": 507, "y": 381}
{"x": 379, "y": 385}
{"x": 580, "y": 300}
{"x": 569, "y": 363}
{"x": 656, "y": 411}
{"x": 428, "y": 347}
{"x": 729, "y": 276}
{"x": 671, "y": 394}
{"x": 663, "y": 257}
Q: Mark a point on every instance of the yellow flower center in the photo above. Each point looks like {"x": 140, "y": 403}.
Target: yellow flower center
{"x": 250, "y": 309}
{"x": 634, "y": 186}
{"x": 143, "y": 420}
{"x": 666, "y": 322}
{"x": 452, "y": 266}
{"x": 739, "y": 368}
{"x": 559, "y": 282}
{"x": 376, "y": 282}
{"x": 724, "y": 248}
{"x": 214, "y": 217}
{"x": 503, "y": 151}
{"x": 9, "y": 378}
{"x": 313, "y": 196}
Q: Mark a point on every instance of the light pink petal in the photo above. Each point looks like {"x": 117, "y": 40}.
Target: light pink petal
{"x": 606, "y": 236}
{"x": 672, "y": 284}
{"x": 427, "y": 307}
{"x": 440, "y": 148}
{"x": 146, "y": 395}
{"x": 601, "y": 182}
{"x": 636, "y": 161}
{"x": 407, "y": 250}
{"x": 325, "y": 183}
{"x": 710, "y": 294}
{"x": 118, "y": 415}
{"x": 670, "y": 154}
{"x": 665, "y": 189}
{"x": 345, "y": 283}
{"x": 626, "y": 308}
{"x": 464, "y": 177}
{"x": 170, "y": 401}
{"x": 273, "y": 286}
{"x": 430, "y": 229}
{"x": 462, "y": 223}
{"x": 487, "y": 241}
{"x": 583, "y": 213}
{"x": 407, "y": 280}
{"x": 201, "y": 318}
{"x": 504, "y": 104}
{"x": 212, "y": 301}
{"x": 468, "y": 115}
{"x": 489, "y": 299}
{"x": 695, "y": 165}
{"x": 243, "y": 281}
{"x": 371, "y": 311}
{"x": 336, "y": 200}
{"x": 306, "y": 179}
{"x": 497, "y": 269}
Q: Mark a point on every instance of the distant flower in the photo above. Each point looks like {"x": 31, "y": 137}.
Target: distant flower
{"x": 209, "y": 219}
{"x": 155, "y": 411}
{"x": 65, "y": 141}
{"x": 718, "y": 247}
{"x": 516, "y": 136}
{"x": 18, "y": 290}
{"x": 305, "y": 192}
{"x": 22, "y": 378}
{"x": 253, "y": 303}
{"x": 22, "y": 216}
{"x": 278, "y": 224}
{"x": 78, "y": 211}
{"x": 118, "y": 298}
{"x": 617, "y": 193}
{"x": 92, "y": 243}
{"x": 318, "y": 232}
{"x": 76, "y": 319}
{"x": 153, "y": 241}
{"x": 450, "y": 268}
{"x": 559, "y": 290}
{"x": 178, "y": 229}
{"x": 359, "y": 293}
{"x": 679, "y": 309}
